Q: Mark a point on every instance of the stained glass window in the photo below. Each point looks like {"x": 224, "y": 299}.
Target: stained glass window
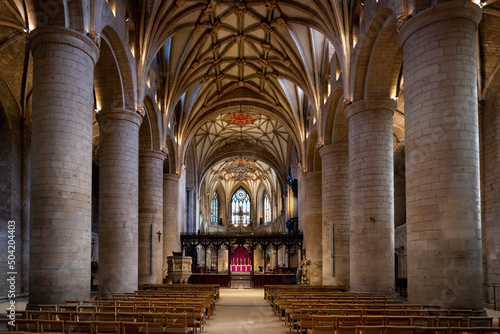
{"x": 214, "y": 212}
{"x": 240, "y": 207}
{"x": 267, "y": 209}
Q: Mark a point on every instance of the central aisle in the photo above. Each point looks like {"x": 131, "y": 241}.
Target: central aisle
{"x": 244, "y": 311}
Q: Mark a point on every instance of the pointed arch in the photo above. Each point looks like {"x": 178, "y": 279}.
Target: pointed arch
{"x": 125, "y": 66}
{"x": 313, "y": 156}
{"x": 335, "y": 102}
{"x": 152, "y": 114}
{"x": 107, "y": 79}
{"x": 241, "y": 206}
{"x": 214, "y": 208}
{"x": 267, "y": 208}
{"x": 170, "y": 162}
{"x": 377, "y": 59}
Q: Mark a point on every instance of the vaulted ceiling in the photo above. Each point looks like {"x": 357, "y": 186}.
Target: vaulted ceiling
{"x": 15, "y": 74}
{"x": 241, "y": 78}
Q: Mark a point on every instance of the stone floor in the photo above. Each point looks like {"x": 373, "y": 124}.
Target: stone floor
{"x": 244, "y": 311}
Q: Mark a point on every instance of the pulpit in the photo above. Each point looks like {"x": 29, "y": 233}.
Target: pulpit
{"x": 179, "y": 269}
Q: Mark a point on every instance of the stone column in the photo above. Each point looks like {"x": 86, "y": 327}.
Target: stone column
{"x": 118, "y": 200}
{"x": 490, "y": 190}
{"x": 335, "y": 207}
{"x": 191, "y": 209}
{"x": 310, "y": 214}
{"x": 61, "y": 165}
{"x": 371, "y": 186}
{"x": 181, "y": 210}
{"x": 171, "y": 240}
{"x": 442, "y": 156}
{"x": 151, "y": 217}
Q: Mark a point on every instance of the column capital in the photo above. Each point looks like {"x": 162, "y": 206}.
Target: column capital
{"x": 335, "y": 147}
{"x": 57, "y": 35}
{"x": 154, "y": 154}
{"x": 462, "y": 9}
{"x": 170, "y": 177}
{"x": 118, "y": 114}
{"x": 312, "y": 175}
{"x": 374, "y": 103}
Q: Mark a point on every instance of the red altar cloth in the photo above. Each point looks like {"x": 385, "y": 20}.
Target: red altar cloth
{"x": 241, "y": 260}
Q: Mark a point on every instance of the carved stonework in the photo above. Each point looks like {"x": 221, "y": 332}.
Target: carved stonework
{"x": 96, "y": 38}
{"x": 211, "y": 7}
{"x": 240, "y": 38}
{"x": 271, "y": 4}
{"x": 266, "y": 27}
{"x": 215, "y": 28}
{"x": 282, "y": 22}
{"x": 240, "y": 10}
{"x": 179, "y": 269}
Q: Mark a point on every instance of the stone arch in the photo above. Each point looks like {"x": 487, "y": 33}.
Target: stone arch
{"x": 377, "y": 59}
{"x": 51, "y": 13}
{"x": 235, "y": 188}
{"x": 107, "y": 80}
{"x": 151, "y": 113}
{"x": 70, "y": 14}
{"x": 145, "y": 134}
{"x": 385, "y": 65}
{"x": 221, "y": 198}
{"x": 170, "y": 161}
{"x": 340, "y": 126}
{"x": 331, "y": 109}
{"x": 313, "y": 156}
{"x": 265, "y": 108}
{"x": 125, "y": 65}
{"x": 259, "y": 198}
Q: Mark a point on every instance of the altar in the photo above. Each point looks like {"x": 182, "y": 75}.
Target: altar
{"x": 241, "y": 261}
{"x": 241, "y": 246}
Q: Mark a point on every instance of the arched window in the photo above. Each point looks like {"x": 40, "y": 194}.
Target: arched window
{"x": 267, "y": 209}
{"x": 214, "y": 209}
{"x": 241, "y": 207}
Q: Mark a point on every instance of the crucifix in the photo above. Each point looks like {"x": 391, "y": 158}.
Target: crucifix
{"x": 240, "y": 217}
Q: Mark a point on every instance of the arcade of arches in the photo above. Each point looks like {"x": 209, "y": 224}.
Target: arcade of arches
{"x": 372, "y": 126}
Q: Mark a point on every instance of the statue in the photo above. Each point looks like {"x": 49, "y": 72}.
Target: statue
{"x": 303, "y": 272}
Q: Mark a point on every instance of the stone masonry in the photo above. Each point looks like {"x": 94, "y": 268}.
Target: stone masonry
{"x": 371, "y": 184}
{"x": 335, "y": 197}
{"x": 310, "y": 206}
{"x": 118, "y": 200}
{"x": 442, "y": 156}
{"x": 171, "y": 240}
{"x": 61, "y": 173}
{"x": 150, "y": 217}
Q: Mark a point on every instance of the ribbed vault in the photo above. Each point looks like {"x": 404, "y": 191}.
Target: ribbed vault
{"x": 267, "y": 60}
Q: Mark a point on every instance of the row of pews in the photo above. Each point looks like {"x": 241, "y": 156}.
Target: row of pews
{"x": 324, "y": 309}
{"x": 157, "y": 309}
